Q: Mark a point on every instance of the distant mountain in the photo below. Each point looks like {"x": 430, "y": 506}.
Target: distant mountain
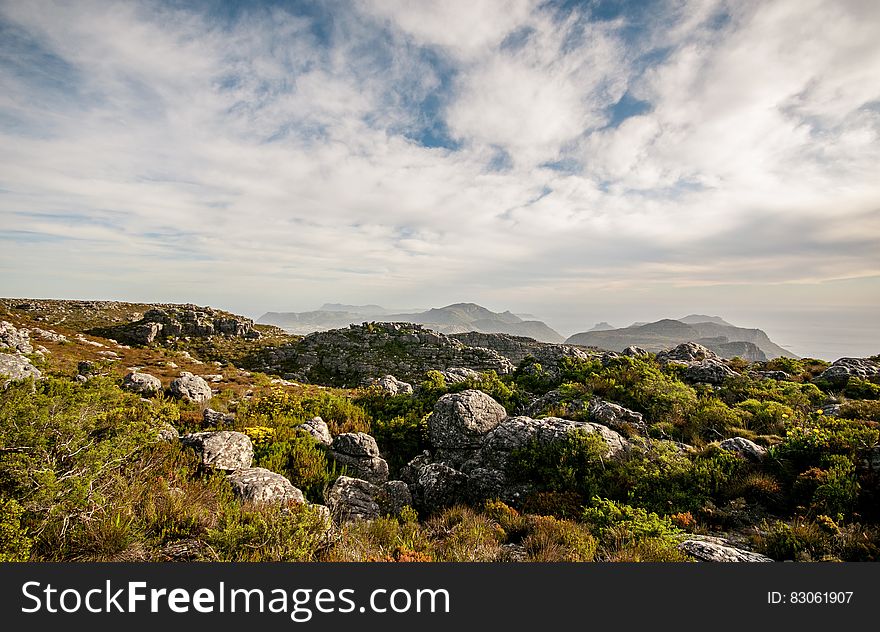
{"x": 452, "y": 319}
{"x": 723, "y": 338}
{"x": 603, "y": 326}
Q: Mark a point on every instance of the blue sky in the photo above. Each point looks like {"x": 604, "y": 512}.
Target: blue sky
{"x": 582, "y": 161}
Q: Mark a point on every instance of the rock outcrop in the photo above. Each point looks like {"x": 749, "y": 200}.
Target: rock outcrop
{"x": 840, "y": 372}
{"x": 745, "y": 448}
{"x": 18, "y": 340}
{"x": 392, "y": 386}
{"x": 461, "y": 420}
{"x": 191, "y": 388}
{"x": 211, "y": 417}
{"x": 352, "y": 499}
{"x": 163, "y": 323}
{"x": 259, "y": 485}
{"x": 616, "y": 416}
{"x": 221, "y": 450}
{"x": 318, "y": 429}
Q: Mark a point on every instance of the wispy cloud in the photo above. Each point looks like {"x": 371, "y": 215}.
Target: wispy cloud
{"x": 520, "y": 152}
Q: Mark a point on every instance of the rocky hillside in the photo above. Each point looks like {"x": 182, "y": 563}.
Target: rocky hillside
{"x": 452, "y": 319}
{"x": 472, "y": 447}
{"x": 724, "y": 339}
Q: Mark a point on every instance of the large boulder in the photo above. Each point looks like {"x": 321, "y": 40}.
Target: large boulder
{"x": 359, "y": 454}
{"x": 16, "y": 367}
{"x": 615, "y": 416}
{"x": 438, "y": 486}
{"x": 457, "y": 375}
{"x": 393, "y": 497}
{"x": 259, "y": 485}
{"x": 719, "y": 550}
{"x": 16, "y": 339}
{"x": 142, "y": 383}
{"x": 392, "y": 386}
{"x": 709, "y": 371}
{"x": 686, "y": 352}
{"x": 634, "y": 352}
{"x": 461, "y": 420}
{"x": 191, "y": 388}
{"x": 745, "y": 448}
{"x": 839, "y": 373}
{"x": 222, "y": 450}
{"x": 319, "y": 430}
{"x": 211, "y": 417}
{"x": 353, "y": 499}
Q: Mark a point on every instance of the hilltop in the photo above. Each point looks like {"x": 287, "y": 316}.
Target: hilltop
{"x": 452, "y": 319}
{"x": 725, "y": 339}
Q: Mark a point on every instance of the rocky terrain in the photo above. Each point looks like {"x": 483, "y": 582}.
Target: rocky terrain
{"x": 179, "y": 432}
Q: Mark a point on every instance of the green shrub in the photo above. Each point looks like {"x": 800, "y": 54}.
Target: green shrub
{"x": 299, "y": 457}
{"x": 605, "y": 515}
{"x": 861, "y": 389}
{"x": 767, "y": 417}
{"x": 553, "y": 540}
{"x": 15, "y": 544}
{"x": 865, "y": 410}
{"x": 573, "y": 464}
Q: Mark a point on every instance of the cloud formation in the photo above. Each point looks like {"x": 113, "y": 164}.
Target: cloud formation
{"x": 546, "y": 157}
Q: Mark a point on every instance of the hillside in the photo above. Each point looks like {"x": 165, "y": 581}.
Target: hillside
{"x": 452, "y": 319}
{"x": 725, "y": 339}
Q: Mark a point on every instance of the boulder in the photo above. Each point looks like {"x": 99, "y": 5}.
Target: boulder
{"x": 392, "y": 386}
{"x": 839, "y": 373}
{"x": 461, "y": 420}
{"x": 719, "y": 550}
{"x": 457, "y": 375}
{"x": 392, "y": 497}
{"x": 615, "y": 416}
{"x": 317, "y": 427}
{"x": 352, "y": 500}
{"x": 259, "y": 485}
{"x": 559, "y": 404}
{"x": 16, "y": 367}
{"x": 745, "y": 448}
{"x": 211, "y": 417}
{"x": 16, "y": 339}
{"x": 222, "y": 450}
{"x": 359, "y": 454}
{"x": 831, "y": 410}
{"x": 167, "y": 433}
{"x": 142, "y": 383}
{"x": 686, "y": 352}
{"x": 191, "y": 388}
{"x": 45, "y": 334}
{"x": 634, "y": 352}
{"x": 709, "y": 371}
{"x": 85, "y": 367}
{"x": 439, "y": 486}
{"x": 780, "y": 376}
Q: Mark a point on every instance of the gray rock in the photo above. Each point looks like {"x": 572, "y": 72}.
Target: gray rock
{"x": 439, "y": 486}
{"x": 16, "y": 339}
{"x": 317, "y": 427}
{"x": 191, "y": 388}
{"x": 781, "y": 376}
{"x": 259, "y": 485}
{"x": 352, "y": 500}
{"x": 634, "y": 352}
{"x": 16, "y": 367}
{"x": 222, "y": 450}
{"x": 142, "y": 383}
{"x": 409, "y": 473}
{"x": 85, "y": 367}
{"x": 718, "y": 550}
{"x": 45, "y": 334}
{"x": 167, "y": 433}
{"x": 831, "y": 410}
{"x": 392, "y": 386}
{"x": 393, "y": 496}
{"x": 686, "y": 352}
{"x": 615, "y": 416}
{"x": 839, "y": 373}
{"x": 561, "y": 406}
{"x": 745, "y": 448}
{"x": 457, "y": 375}
{"x": 461, "y": 420}
{"x": 211, "y": 417}
{"x": 709, "y": 371}
{"x": 359, "y": 454}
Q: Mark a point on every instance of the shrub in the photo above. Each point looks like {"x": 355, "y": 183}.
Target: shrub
{"x": 866, "y": 410}
{"x": 711, "y": 418}
{"x": 861, "y": 389}
{"x": 15, "y": 545}
{"x": 299, "y": 457}
{"x": 607, "y": 517}
{"x": 573, "y": 464}
{"x": 556, "y": 504}
{"x": 767, "y": 417}
{"x": 554, "y": 540}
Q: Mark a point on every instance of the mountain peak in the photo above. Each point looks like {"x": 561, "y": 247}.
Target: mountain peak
{"x": 692, "y": 319}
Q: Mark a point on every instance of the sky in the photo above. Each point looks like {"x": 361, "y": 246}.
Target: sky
{"x": 580, "y": 161}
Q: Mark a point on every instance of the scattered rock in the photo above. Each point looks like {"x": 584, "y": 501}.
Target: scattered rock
{"x": 359, "y": 454}
{"x": 222, "y": 450}
{"x": 439, "y": 486}
{"x": 141, "y": 383}
{"x": 317, "y": 427}
{"x": 718, "y": 550}
{"x": 780, "y": 376}
{"x": 259, "y": 485}
{"x": 393, "y": 496}
{"x": 168, "y": 433}
{"x": 686, "y": 352}
{"x": 745, "y": 448}
{"x": 191, "y": 388}
{"x": 85, "y": 367}
{"x": 831, "y": 410}
{"x": 16, "y": 339}
{"x": 461, "y": 420}
{"x": 353, "y": 499}
{"x": 392, "y": 386}
{"x": 16, "y": 367}
{"x": 634, "y": 352}
{"x": 709, "y": 371}
{"x": 457, "y": 375}
{"x": 45, "y": 334}
{"x": 214, "y": 378}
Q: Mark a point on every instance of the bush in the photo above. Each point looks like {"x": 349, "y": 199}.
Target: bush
{"x": 554, "y": 540}
{"x": 766, "y": 417}
{"x": 866, "y": 410}
{"x": 15, "y": 545}
{"x": 605, "y": 517}
{"x": 299, "y": 457}
{"x": 861, "y": 389}
{"x": 573, "y": 464}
